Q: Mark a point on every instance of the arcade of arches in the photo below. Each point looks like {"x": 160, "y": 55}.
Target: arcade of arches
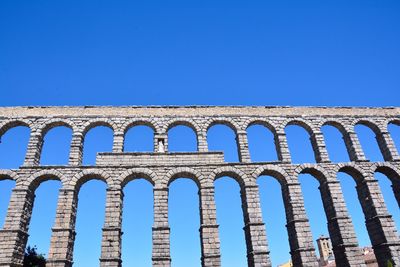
{"x": 162, "y": 166}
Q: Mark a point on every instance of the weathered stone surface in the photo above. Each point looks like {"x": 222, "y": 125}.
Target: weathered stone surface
{"x": 161, "y": 167}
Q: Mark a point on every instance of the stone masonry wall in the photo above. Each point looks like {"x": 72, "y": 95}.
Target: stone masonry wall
{"x": 161, "y": 167}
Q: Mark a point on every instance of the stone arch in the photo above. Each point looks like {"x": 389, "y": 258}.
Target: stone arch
{"x": 315, "y": 150}
{"x": 57, "y": 123}
{"x": 353, "y": 170}
{"x": 39, "y": 177}
{"x": 274, "y": 171}
{"x": 344, "y": 131}
{"x": 188, "y": 123}
{"x": 235, "y": 173}
{"x": 337, "y": 124}
{"x": 234, "y": 140}
{"x": 185, "y": 123}
{"x": 376, "y": 129}
{"x": 8, "y": 175}
{"x": 185, "y": 178}
{"x": 301, "y": 123}
{"x": 226, "y": 122}
{"x": 394, "y": 121}
{"x": 370, "y": 124}
{"x": 132, "y": 174}
{"x": 82, "y": 177}
{"x": 95, "y": 123}
{"x": 265, "y": 133}
{"x": 379, "y": 222}
{"x": 393, "y": 175}
{"x": 316, "y": 171}
{"x": 49, "y": 126}
{"x": 387, "y": 169}
{"x": 11, "y": 124}
{"x": 186, "y": 172}
{"x": 262, "y": 122}
{"x": 141, "y": 122}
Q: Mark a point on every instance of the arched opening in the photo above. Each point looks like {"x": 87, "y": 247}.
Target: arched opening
{"x": 348, "y": 185}
{"x": 139, "y": 138}
{"x": 222, "y": 138}
{"x": 274, "y": 217}
{"x": 6, "y": 187}
{"x": 230, "y": 221}
{"x": 89, "y": 223}
{"x": 389, "y": 183}
{"x": 314, "y": 208}
{"x": 97, "y": 139}
{"x": 261, "y": 143}
{"x": 182, "y": 138}
{"x": 137, "y": 220}
{"x": 368, "y": 142}
{"x": 394, "y": 130}
{"x": 335, "y": 144}
{"x": 13, "y": 145}
{"x": 43, "y": 215}
{"x": 56, "y": 146}
{"x": 299, "y": 144}
{"x": 184, "y": 221}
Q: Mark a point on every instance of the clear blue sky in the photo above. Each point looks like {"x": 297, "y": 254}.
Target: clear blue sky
{"x": 331, "y": 53}
{"x": 202, "y": 52}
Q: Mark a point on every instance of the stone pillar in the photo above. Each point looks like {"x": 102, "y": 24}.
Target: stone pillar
{"x": 112, "y": 233}
{"x": 254, "y": 228}
{"x": 161, "y": 249}
{"x": 209, "y": 237}
{"x": 243, "y": 146}
{"x": 160, "y": 139}
{"x": 353, "y": 147}
{"x": 387, "y": 147}
{"x": 202, "y": 145}
{"x": 76, "y": 149}
{"x": 14, "y": 235}
{"x": 118, "y": 143}
{"x": 34, "y": 149}
{"x": 63, "y": 237}
{"x": 282, "y": 147}
{"x": 319, "y": 147}
{"x": 380, "y": 225}
{"x": 343, "y": 238}
{"x": 300, "y": 237}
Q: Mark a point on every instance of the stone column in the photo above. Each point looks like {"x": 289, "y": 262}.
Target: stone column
{"x": 341, "y": 231}
{"x": 319, "y": 147}
{"x": 76, "y": 149}
{"x": 202, "y": 145}
{"x": 209, "y": 237}
{"x": 243, "y": 146}
{"x": 34, "y": 149}
{"x": 353, "y": 147}
{"x": 254, "y": 228}
{"x": 387, "y": 147}
{"x": 163, "y": 138}
{"x": 300, "y": 237}
{"x": 161, "y": 249}
{"x": 118, "y": 143}
{"x": 63, "y": 237}
{"x": 282, "y": 147}
{"x": 112, "y": 233}
{"x": 14, "y": 235}
{"x": 380, "y": 225}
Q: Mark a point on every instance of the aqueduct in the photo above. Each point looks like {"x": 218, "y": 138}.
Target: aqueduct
{"x": 160, "y": 167}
